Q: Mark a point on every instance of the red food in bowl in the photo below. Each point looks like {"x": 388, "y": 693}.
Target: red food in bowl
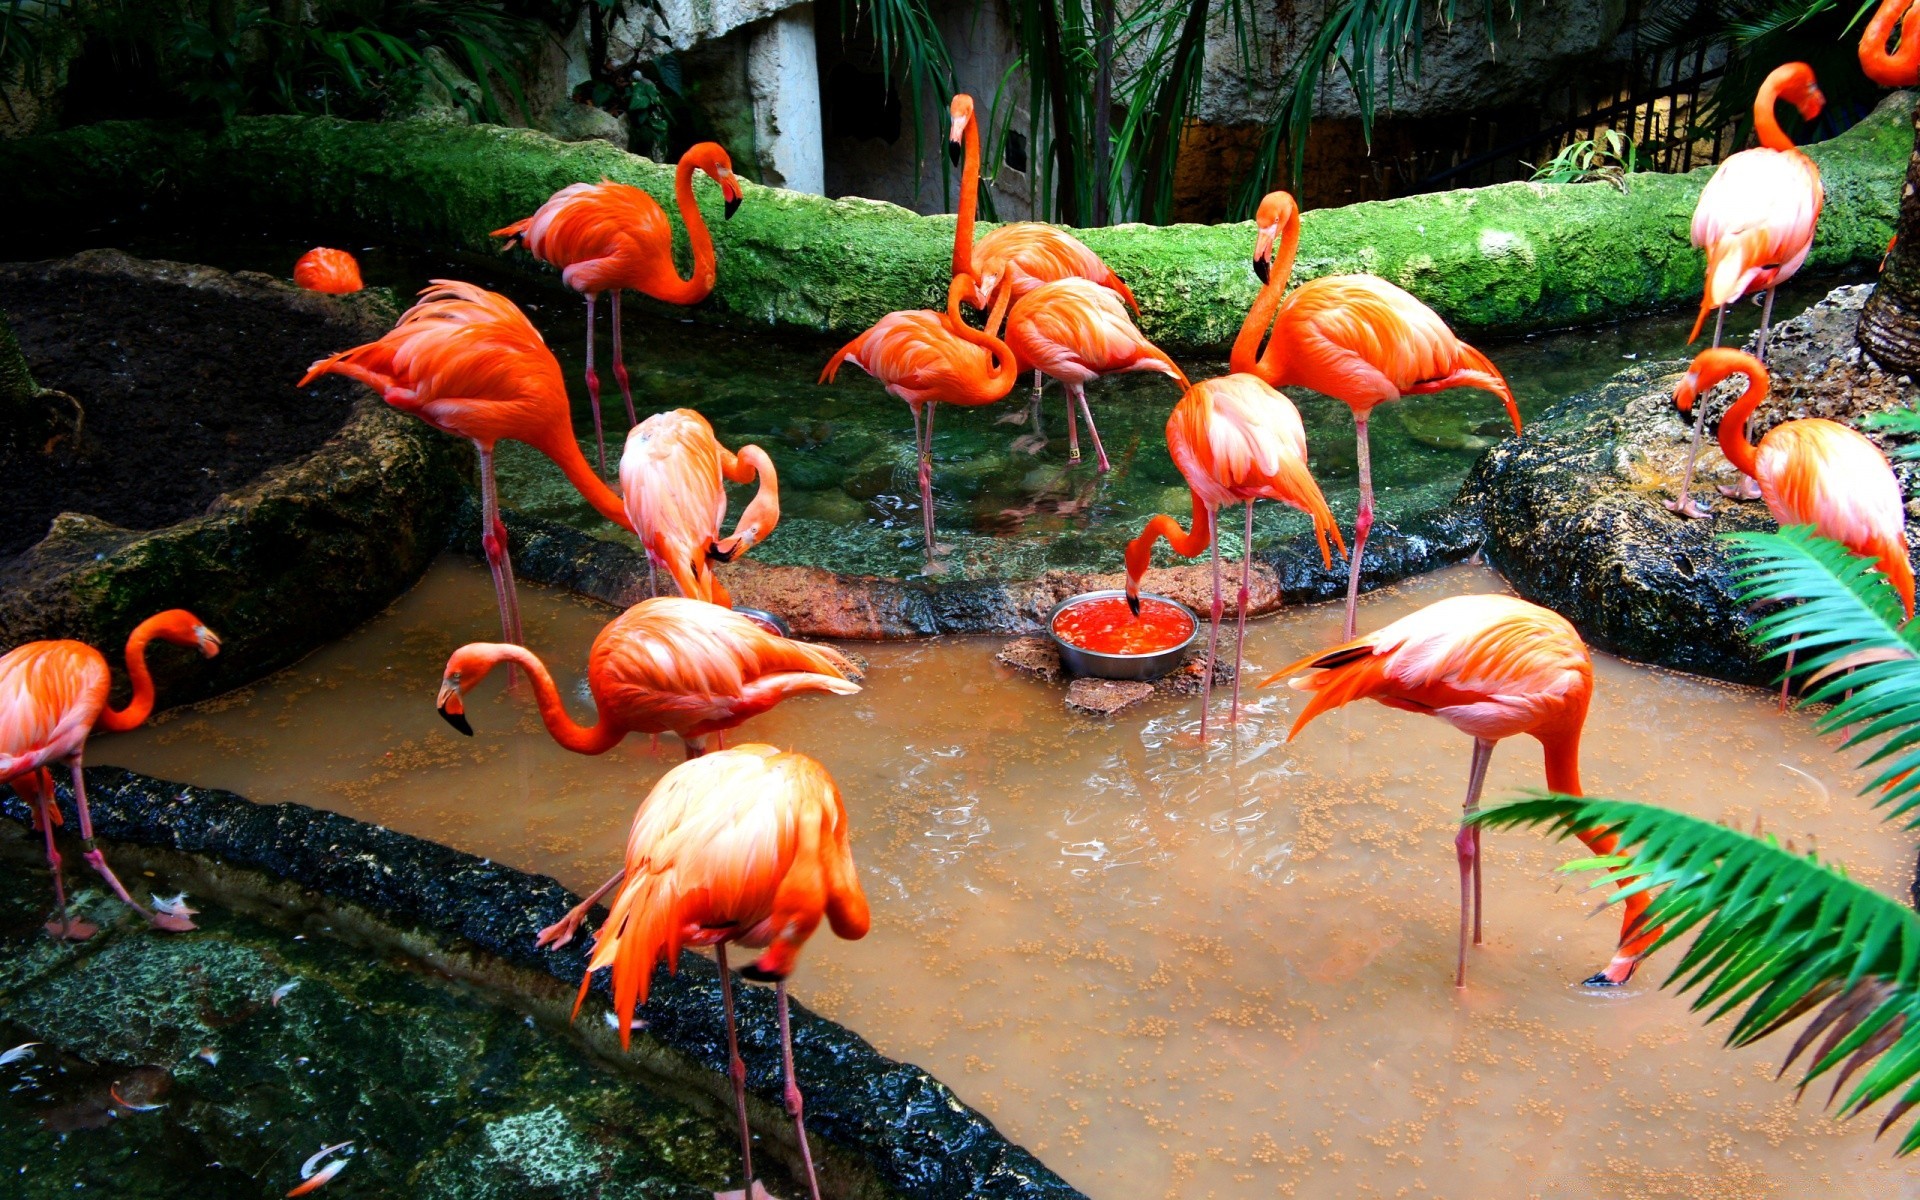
{"x": 1107, "y": 626}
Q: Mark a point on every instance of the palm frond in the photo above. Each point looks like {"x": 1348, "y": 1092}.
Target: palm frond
{"x": 1903, "y": 422}
{"x": 908, "y": 43}
{"x": 1842, "y": 619}
{"x": 1776, "y": 934}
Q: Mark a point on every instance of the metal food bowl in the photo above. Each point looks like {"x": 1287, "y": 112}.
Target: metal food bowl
{"x": 1078, "y": 660}
{"x": 765, "y": 620}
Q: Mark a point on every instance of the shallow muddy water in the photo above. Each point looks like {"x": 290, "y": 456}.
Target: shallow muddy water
{"x": 1168, "y": 972}
{"x": 850, "y": 499}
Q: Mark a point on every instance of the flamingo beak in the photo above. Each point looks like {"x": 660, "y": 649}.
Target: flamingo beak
{"x": 716, "y": 554}
{"x": 207, "y": 639}
{"x": 1133, "y": 602}
{"x": 956, "y": 136}
{"x": 1684, "y": 394}
{"x": 451, "y": 709}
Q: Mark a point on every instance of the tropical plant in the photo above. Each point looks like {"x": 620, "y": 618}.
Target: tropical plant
{"x": 24, "y": 28}
{"x": 1778, "y": 934}
{"x": 1608, "y": 160}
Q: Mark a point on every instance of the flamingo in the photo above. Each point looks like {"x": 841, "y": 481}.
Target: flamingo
{"x": 606, "y": 237}
{"x": 1076, "y": 331}
{"x": 1755, "y": 220}
{"x": 52, "y": 695}
{"x": 1235, "y": 440}
{"x": 1356, "y": 338}
{"x": 673, "y": 475}
{"x": 1901, "y": 68}
{"x": 323, "y": 269}
{"x": 469, "y": 363}
{"x": 747, "y": 846}
{"x": 928, "y": 358}
{"x": 1017, "y": 257}
{"x": 666, "y": 665}
{"x": 1810, "y": 472}
{"x": 1491, "y": 667}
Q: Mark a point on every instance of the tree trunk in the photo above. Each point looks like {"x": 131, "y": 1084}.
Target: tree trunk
{"x": 1066, "y": 142}
{"x": 1102, "y": 110}
{"x": 1890, "y": 323}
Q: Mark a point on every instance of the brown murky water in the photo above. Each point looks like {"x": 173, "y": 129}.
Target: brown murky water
{"x": 1169, "y": 973}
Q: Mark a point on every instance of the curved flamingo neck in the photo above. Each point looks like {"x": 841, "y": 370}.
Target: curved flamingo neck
{"x": 1248, "y": 355}
{"x": 700, "y": 285}
{"x": 565, "y": 453}
{"x": 1733, "y": 424}
{"x": 969, "y": 200}
{"x": 1902, "y": 67}
{"x": 140, "y": 707}
{"x": 1005, "y": 369}
{"x": 597, "y": 738}
{"x": 1765, "y": 123}
{"x": 1190, "y": 542}
{"x": 1563, "y": 763}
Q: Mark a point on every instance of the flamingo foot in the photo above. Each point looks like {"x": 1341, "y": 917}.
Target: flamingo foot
{"x": 1616, "y": 975}
{"x": 1746, "y": 489}
{"x": 760, "y": 1192}
{"x": 1017, "y": 417}
{"x": 1032, "y": 443}
{"x": 71, "y": 929}
{"x": 1690, "y": 507}
{"x": 171, "y": 922}
{"x": 560, "y": 932}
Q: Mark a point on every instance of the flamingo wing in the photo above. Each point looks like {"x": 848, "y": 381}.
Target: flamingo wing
{"x": 51, "y": 693}
{"x": 1755, "y": 219}
{"x": 1821, "y": 473}
{"x": 1027, "y": 254}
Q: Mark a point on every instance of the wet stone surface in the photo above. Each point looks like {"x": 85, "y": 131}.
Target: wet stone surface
{"x": 1574, "y": 515}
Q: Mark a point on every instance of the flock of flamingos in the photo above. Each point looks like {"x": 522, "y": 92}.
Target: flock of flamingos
{"x": 749, "y": 846}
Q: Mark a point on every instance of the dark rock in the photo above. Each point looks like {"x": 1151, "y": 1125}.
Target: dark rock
{"x": 277, "y": 568}
{"x": 890, "y": 1122}
{"x": 1574, "y": 516}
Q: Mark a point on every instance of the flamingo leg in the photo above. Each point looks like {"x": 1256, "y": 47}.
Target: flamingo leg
{"x": 1213, "y": 627}
{"x": 1746, "y": 488}
{"x": 795, "y": 1108}
{"x": 561, "y": 932}
{"x": 1786, "y": 680}
{"x": 593, "y": 387}
{"x": 737, "y": 1070}
{"x": 1684, "y": 505}
{"x": 1078, "y": 395}
{"x": 1240, "y": 635}
{"x": 493, "y": 539}
{"x": 925, "y": 436}
{"x": 1466, "y": 847}
{"x": 1073, "y": 429}
{"x": 66, "y": 927}
{"x": 98, "y": 861}
{"x": 1033, "y": 405}
{"x": 620, "y": 371}
{"x": 1362, "y": 521}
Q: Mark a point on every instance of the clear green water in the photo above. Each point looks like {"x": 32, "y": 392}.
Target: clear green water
{"x": 849, "y": 494}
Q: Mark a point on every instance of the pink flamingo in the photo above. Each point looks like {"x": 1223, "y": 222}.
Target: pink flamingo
{"x": 1755, "y": 220}
{"x": 469, "y": 363}
{"x": 608, "y": 236}
{"x": 324, "y": 269}
{"x": 1356, "y": 338}
{"x": 1235, "y": 440}
{"x": 1901, "y": 68}
{"x": 1076, "y": 331}
{"x": 52, "y": 695}
{"x": 673, "y": 474}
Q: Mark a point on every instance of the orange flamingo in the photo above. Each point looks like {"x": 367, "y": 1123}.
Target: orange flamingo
{"x": 1810, "y": 472}
{"x": 469, "y": 363}
{"x": 1755, "y": 219}
{"x": 52, "y": 695}
{"x": 1017, "y": 257}
{"x": 1356, "y": 338}
{"x": 323, "y": 269}
{"x": 1076, "y": 331}
{"x": 608, "y": 236}
{"x": 1491, "y": 667}
{"x": 927, "y": 359}
{"x": 673, "y": 475}
{"x": 666, "y": 665}
{"x": 1901, "y": 68}
{"x": 746, "y": 846}
{"x": 1235, "y": 440}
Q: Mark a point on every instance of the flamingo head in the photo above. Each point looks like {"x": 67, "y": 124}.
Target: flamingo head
{"x": 1797, "y": 87}
{"x": 1270, "y": 221}
{"x": 962, "y": 113}
{"x": 1709, "y": 368}
{"x": 709, "y": 157}
{"x": 1139, "y": 555}
{"x": 465, "y": 669}
{"x": 182, "y": 628}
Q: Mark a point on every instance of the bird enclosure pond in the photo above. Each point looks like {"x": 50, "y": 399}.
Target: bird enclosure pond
{"x": 1006, "y": 506}
{"x": 1167, "y": 971}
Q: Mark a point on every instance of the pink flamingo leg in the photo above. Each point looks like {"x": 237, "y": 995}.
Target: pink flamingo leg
{"x": 792, "y": 1096}
{"x": 493, "y": 540}
{"x": 593, "y": 387}
{"x": 1077, "y": 394}
{"x": 66, "y": 927}
{"x": 620, "y": 374}
{"x": 1246, "y": 595}
{"x": 1746, "y": 488}
{"x": 923, "y": 434}
{"x": 1073, "y": 430}
{"x": 737, "y": 1070}
{"x": 1684, "y": 505}
{"x": 98, "y": 861}
{"x": 1786, "y": 680}
{"x": 561, "y": 932}
{"x": 1033, "y": 405}
{"x": 1466, "y": 846}
{"x": 1362, "y": 521}
{"x": 1213, "y": 627}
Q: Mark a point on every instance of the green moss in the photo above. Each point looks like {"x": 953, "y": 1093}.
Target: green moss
{"x": 1512, "y": 257}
